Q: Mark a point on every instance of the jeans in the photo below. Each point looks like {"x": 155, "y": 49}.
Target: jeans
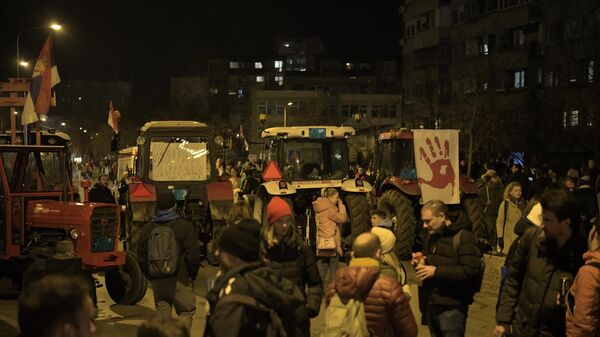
{"x": 169, "y": 293}
{"x": 327, "y": 268}
{"x": 447, "y": 323}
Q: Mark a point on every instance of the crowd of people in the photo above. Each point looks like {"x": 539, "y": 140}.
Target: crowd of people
{"x": 272, "y": 282}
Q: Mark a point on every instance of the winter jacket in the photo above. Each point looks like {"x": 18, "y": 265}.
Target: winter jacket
{"x": 329, "y": 217}
{"x": 293, "y": 259}
{"x": 457, "y": 273}
{"x": 387, "y": 310}
{"x": 537, "y": 187}
{"x": 505, "y": 229}
{"x": 490, "y": 198}
{"x": 584, "y": 319}
{"x": 533, "y": 284}
{"x": 257, "y": 281}
{"x": 187, "y": 243}
{"x": 101, "y": 193}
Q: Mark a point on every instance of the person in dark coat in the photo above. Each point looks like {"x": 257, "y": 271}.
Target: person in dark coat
{"x": 64, "y": 262}
{"x": 538, "y": 185}
{"x": 244, "y": 275}
{"x": 588, "y": 202}
{"x": 450, "y": 275}
{"x": 544, "y": 265}
{"x": 100, "y": 192}
{"x": 490, "y": 198}
{"x": 288, "y": 255}
{"x": 177, "y": 290}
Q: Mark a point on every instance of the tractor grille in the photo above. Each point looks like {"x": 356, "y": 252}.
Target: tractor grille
{"x": 104, "y": 229}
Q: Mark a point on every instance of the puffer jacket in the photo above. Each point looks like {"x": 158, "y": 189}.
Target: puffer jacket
{"x": 293, "y": 259}
{"x": 387, "y": 310}
{"x": 457, "y": 272}
{"x": 583, "y": 320}
{"x": 533, "y": 284}
{"x": 505, "y": 228}
{"x": 329, "y": 219}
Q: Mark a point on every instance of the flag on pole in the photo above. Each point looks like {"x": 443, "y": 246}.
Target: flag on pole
{"x": 45, "y": 77}
{"x": 246, "y": 146}
{"x": 113, "y": 117}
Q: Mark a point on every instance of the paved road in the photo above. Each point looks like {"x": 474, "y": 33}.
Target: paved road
{"x": 123, "y": 321}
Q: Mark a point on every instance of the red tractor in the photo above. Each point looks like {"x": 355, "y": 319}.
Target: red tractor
{"x": 37, "y": 210}
{"x": 399, "y": 194}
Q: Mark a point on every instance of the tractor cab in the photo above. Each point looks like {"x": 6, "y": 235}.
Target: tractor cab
{"x": 310, "y": 153}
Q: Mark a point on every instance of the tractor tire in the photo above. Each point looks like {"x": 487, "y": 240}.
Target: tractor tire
{"x": 472, "y": 209}
{"x": 359, "y": 216}
{"x": 397, "y": 205}
{"x": 126, "y": 284}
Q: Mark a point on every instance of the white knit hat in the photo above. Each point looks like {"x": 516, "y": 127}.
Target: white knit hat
{"x": 386, "y": 238}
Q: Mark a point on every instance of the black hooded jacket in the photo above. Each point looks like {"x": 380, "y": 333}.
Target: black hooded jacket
{"x": 101, "y": 193}
{"x": 457, "y": 273}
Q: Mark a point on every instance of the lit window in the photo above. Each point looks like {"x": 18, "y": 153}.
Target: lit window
{"x": 260, "y": 79}
{"x": 519, "y": 79}
{"x": 234, "y": 65}
{"x": 278, "y": 65}
{"x": 590, "y": 72}
{"x": 279, "y": 80}
{"x": 286, "y": 44}
{"x": 258, "y": 65}
{"x": 349, "y": 66}
{"x": 570, "y": 118}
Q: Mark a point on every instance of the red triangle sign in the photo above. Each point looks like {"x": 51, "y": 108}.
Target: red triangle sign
{"x": 272, "y": 172}
{"x": 141, "y": 191}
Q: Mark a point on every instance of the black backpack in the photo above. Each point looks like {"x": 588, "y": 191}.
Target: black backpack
{"x": 455, "y": 246}
{"x": 163, "y": 252}
{"x": 263, "y": 320}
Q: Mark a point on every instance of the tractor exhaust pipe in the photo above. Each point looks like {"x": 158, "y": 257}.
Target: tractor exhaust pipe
{"x": 86, "y": 184}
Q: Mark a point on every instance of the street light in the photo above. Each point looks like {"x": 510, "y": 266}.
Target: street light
{"x": 63, "y": 124}
{"x": 24, "y": 64}
{"x": 53, "y": 26}
{"x": 285, "y": 112}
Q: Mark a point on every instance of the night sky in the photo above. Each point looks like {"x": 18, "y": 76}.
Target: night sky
{"x": 134, "y": 39}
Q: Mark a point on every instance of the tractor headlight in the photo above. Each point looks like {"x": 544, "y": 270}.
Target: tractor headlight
{"x": 74, "y": 234}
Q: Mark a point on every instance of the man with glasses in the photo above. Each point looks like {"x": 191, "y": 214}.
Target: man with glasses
{"x": 449, "y": 268}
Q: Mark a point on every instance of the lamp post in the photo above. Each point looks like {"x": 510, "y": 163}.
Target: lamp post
{"x": 54, "y": 26}
{"x": 285, "y": 112}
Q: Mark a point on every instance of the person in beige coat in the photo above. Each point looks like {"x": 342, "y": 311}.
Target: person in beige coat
{"x": 509, "y": 213}
{"x": 330, "y": 214}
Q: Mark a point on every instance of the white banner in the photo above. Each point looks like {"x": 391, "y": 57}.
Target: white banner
{"x": 436, "y": 159}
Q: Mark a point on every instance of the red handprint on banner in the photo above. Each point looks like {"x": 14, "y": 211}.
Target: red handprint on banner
{"x": 441, "y": 168}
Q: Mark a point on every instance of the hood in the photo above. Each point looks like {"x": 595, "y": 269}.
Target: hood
{"x": 461, "y": 222}
{"x": 593, "y": 256}
{"x": 357, "y": 280}
{"x": 322, "y": 204}
{"x": 387, "y": 223}
{"x": 165, "y": 216}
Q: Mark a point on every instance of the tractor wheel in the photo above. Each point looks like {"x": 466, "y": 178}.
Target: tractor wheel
{"x": 126, "y": 284}
{"x": 358, "y": 211}
{"x": 482, "y": 230}
{"x": 397, "y": 205}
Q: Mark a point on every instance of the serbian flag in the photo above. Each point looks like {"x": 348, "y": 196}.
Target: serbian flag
{"x": 45, "y": 77}
{"x": 113, "y": 117}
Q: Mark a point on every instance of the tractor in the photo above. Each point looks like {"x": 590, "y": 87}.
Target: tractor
{"x": 302, "y": 161}
{"x": 399, "y": 194}
{"x": 37, "y": 210}
{"x": 175, "y": 156}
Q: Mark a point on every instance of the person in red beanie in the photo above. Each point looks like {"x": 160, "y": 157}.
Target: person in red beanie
{"x": 283, "y": 249}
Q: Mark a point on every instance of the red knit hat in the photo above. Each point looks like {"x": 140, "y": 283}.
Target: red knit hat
{"x": 277, "y": 209}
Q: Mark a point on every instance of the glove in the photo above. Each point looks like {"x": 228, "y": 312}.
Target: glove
{"x": 301, "y": 315}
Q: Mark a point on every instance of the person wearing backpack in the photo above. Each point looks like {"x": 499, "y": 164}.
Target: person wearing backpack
{"x": 542, "y": 270}
{"x": 450, "y": 269}
{"x": 509, "y": 213}
{"x": 361, "y": 301}
{"x": 583, "y": 301}
{"x": 248, "y": 298}
{"x": 283, "y": 249}
{"x": 169, "y": 257}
